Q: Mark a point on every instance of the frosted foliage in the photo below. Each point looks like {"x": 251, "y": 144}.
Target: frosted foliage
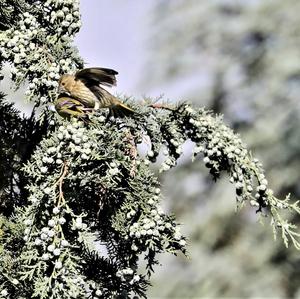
{"x": 83, "y": 212}
{"x": 242, "y": 59}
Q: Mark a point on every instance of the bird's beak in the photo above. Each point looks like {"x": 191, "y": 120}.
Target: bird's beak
{"x": 62, "y": 90}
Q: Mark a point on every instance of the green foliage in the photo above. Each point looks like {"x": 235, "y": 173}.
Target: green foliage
{"x": 20, "y": 135}
{"x": 88, "y": 189}
{"x": 38, "y": 46}
{"x": 10, "y": 11}
{"x": 92, "y": 210}
{"x": 240, "y": 63}
{"x": 251, "y": 71}
{"x": 95, "y": 204}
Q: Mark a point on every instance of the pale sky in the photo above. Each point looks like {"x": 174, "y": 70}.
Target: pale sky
{"x": 113, "y": 35}
{"x": 116, "y": 34}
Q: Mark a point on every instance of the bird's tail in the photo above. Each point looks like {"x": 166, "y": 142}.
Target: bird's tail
{"x": 120, "y": 110}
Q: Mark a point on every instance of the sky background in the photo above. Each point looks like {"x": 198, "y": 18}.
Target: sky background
{"x": 114, "y": 35}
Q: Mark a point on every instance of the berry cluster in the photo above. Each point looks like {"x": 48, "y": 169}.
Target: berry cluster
{"x": 38, "y": 47}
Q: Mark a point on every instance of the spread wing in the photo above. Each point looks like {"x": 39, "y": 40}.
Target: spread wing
{"x": 96, "y": 76}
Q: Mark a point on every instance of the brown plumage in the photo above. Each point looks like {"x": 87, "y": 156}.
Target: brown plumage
{"x": 85, "y": 87}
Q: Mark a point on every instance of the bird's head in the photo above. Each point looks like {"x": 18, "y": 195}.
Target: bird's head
{"x": 65, "y": 84}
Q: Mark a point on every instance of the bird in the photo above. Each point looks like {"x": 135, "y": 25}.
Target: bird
{"x": 86, "y": 87}
{"x": 68, "y": 107}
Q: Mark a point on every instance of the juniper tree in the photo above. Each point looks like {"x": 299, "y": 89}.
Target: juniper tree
{"x": 82, "y": 207}
{"x": 250, "y": 75}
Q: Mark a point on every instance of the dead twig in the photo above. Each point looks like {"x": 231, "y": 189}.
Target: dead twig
{"x": 161, "y": 106}
{"x": 59, "y": 183}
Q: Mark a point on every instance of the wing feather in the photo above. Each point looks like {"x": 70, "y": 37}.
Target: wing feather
{"x": 96, "y": 76}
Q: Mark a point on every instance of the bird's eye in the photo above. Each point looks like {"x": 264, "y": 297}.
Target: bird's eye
{"x": 63, "y": 83}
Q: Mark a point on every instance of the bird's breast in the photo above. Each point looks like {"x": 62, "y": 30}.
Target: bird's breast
{"x": 84, "y": 95}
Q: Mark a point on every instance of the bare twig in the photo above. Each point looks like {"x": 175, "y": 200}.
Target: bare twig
{"x": 63, "y": 174}
{"x": 161, "y": 106}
